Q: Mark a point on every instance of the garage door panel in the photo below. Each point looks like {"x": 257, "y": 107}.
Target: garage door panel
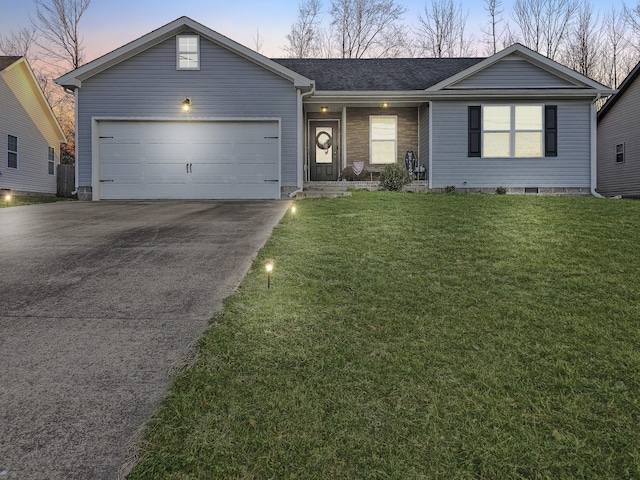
{"x": 258, "y": 170}
{"x": 148, "y": 160}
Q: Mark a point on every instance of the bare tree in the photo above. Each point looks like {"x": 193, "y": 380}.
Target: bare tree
{"x": 258, "y": 41}
{"x": 544, "y": 24}
{"x": 620, "y": 55}
{"x": 57, "y": 22}
{"x": 493, "y": 32}
{"x": 442, "y": 30}
{"x": 305, "y": 35}
{"x": 584, "y": 42}
{"x": 20, "y": 43}
{"x": 367, "y": 28}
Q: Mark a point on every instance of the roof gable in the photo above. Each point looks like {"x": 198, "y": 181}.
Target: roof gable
{"x": 624, "y": 86}
{"x": 547, "y": 74}
{"x": 17, "y": 74}
{"x": 74, "y": 78}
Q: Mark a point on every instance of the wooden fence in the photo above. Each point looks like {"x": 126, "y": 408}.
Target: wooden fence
{"x": 66, "y": 177}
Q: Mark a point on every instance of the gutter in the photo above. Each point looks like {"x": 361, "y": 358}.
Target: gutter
{"x": 594, "y": 146}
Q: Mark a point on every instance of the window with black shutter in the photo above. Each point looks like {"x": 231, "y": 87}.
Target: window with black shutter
{"x": 475, "y": 131}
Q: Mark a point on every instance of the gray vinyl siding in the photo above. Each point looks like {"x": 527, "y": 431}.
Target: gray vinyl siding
{"x": 621, "y": 124}
{"x": 513, "y": 72}
{"x": 452, "y": 166}
{"x": 33, "y": 147}
{"x": 423, "y": 134}
{"x": 226, "y": 86}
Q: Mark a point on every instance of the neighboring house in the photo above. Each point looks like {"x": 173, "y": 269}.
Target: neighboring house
{"x": 30, "y": 135}
{"x": 184, "y": 112}
{"x": 619, "y": 140}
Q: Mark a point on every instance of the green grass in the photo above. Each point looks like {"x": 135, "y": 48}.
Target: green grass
{"x": 21, "y": 200}
{"x": 421, "y": 336}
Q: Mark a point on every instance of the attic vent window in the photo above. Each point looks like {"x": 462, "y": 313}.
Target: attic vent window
{"x": 188, "y": 52}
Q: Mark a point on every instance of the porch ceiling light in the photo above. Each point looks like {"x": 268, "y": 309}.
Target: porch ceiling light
{"x": 385, "y": 105}
{"x": 324, "y": 109}
{"x": 186, "y": 104}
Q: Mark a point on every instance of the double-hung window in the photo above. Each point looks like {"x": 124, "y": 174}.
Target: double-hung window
{"x": 12, "y": 151}
{"x": 383, "y": 138}
{"x": 512, "y": 131}
{"x": 620, "y": 153}
{"x": 52, "y": 161}
{"x": 188, "y": 52}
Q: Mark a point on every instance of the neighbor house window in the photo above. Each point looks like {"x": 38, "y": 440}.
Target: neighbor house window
{"x": 383, "y": 136}
{"x": 188, "y": 52}
{"x": 512, "y": 131}
{"x": 620, "y": 153}
{"x": 52, "y": 161}
{"x": 12, "y": 151}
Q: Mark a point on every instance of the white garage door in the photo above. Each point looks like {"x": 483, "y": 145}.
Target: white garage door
{"x": 183, "y": 160}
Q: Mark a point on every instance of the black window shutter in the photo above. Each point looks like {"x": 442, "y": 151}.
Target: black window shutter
{"x": 475, "y": 131}
{"x": 551, "y": 131}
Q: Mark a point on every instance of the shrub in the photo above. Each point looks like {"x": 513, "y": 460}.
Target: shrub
{"x": 393, "y": 177}
{"x": 501, "y": 191}
{"x": 450, "y": 189}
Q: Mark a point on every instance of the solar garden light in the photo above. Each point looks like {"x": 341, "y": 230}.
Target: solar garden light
{"x": 293, "y": 211}
{"x": 268, "y": 266}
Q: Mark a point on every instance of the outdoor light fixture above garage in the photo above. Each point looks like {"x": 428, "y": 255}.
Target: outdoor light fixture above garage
{"x": 186, "y": 104}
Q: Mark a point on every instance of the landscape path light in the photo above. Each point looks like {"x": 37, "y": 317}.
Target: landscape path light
{"x": 268, "y": 266}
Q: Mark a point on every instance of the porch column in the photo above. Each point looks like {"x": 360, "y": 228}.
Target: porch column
{"x": 344, "y": 137}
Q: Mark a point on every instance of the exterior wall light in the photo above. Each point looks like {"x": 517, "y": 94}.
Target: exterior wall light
{"x": 186, "y": 104}
{"x": 324, "y": 109}
{"x": 268, "y": 266}
{"x": 385, "y": 105}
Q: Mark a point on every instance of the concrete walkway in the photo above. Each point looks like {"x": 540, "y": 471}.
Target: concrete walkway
{"x": 98, "y": 303}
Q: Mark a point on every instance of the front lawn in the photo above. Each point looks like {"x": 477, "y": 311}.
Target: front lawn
{"x": 421, "y": 336}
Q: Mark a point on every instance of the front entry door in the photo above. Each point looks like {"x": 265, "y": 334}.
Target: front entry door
{"x": 324, "y": 142}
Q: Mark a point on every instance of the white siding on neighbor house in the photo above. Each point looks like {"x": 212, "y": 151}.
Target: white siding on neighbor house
{"x": 513, "y": 72}
{"x": 452, "y": 166}
{"x": 621, "y": 124}
{"x": 22, "y": 115}
{"x": 148, "y": 85}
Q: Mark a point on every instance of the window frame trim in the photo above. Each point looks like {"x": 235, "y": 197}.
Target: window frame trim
{"x": 623, "y": 153}
{"x": 16, "y": 151}
{"x": 178, "y": 52}
{"x": 371, "y": 140}
{"x": 512, "y": 130}
{"x": 51, "y": 161}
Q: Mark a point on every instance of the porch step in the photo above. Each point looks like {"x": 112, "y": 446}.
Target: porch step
{"x": 322, "y": 194}
{"x": 324, "y": 190}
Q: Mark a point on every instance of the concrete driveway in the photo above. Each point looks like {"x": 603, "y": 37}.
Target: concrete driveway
{"x": 99, "y": 303}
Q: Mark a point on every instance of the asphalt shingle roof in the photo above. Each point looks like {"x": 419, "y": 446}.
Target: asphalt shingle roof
{"x": 6, "y": 61}
{"x": 377, "y": 74}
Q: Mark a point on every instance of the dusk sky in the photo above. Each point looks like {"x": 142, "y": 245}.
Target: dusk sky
{"x": 109, "y": 24}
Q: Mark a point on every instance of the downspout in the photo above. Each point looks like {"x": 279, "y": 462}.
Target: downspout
{"x": 594, "y": 146}
{"x": 301, "y": 138}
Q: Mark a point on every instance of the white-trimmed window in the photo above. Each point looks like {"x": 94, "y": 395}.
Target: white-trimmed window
{"x": 12, "y": 151}
{"x": 52, "y": 161}
{"x": 512, "y": 131}
{"x": 620, "y": 153}
{"x": 188, "y": 52}
{"x": 383, "y": 138}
